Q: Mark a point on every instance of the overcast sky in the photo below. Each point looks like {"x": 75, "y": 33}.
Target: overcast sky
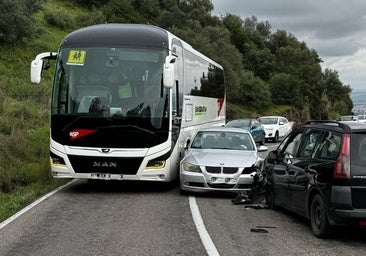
{"x": 336, "y": 29}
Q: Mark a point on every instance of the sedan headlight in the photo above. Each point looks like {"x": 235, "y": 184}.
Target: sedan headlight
{"x": 191, "y": 167}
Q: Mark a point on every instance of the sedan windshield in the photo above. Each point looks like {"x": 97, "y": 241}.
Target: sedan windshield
{"x": 222, "y": 140}
{"x": 238, "y": 123}
{"x": 268, "y": 120}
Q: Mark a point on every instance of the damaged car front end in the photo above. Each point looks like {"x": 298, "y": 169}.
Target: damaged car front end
{"x": 221, "y": 159}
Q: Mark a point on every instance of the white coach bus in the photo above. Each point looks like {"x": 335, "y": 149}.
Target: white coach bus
{"x": 125, "y": 99}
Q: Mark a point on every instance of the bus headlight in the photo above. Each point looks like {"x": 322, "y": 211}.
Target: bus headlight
{"x": 156, "y": 164}
{"x": 159, "y": 162}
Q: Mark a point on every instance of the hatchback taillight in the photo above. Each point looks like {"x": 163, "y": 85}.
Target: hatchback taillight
{"x": 342, "y": 167}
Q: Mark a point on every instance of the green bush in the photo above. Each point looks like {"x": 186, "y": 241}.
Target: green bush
{"x": 89, "y": 3}
{"x": 59, "y": 19}
{"x": 16, "y": 20}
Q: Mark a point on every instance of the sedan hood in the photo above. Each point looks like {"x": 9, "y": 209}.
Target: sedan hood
{"x": 216, "y": 157}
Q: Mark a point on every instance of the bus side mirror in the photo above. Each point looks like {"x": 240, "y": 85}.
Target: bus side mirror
{"x": 168, "y": 72}
{"x": 37, "y": 65}
{"x": 36, "y": 71}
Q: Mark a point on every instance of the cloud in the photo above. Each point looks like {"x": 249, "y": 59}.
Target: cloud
{"x": 336, "y": 29}
{"x": 351, "y": 68}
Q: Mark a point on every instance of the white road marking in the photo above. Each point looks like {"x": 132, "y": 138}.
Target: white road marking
{"x": 205, "y": 237}
{"x": 38, "y": 201}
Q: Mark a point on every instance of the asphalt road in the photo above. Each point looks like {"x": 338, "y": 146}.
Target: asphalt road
{"x": 113, "y": 218}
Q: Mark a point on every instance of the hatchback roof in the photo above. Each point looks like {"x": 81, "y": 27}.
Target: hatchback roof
{"x": 348, "y": 127}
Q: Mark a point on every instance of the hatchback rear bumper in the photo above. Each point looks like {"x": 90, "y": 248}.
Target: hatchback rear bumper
{"x": 352, "y": 214}
{"x": 342, "y": 211}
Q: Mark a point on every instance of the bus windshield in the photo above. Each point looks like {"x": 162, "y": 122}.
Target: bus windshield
{"x": 110, "y": 82}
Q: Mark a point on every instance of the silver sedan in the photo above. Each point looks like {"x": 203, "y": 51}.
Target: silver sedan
{"x": 221, "y": 159}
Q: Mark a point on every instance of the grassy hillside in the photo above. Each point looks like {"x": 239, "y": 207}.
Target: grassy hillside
{"x": 24, "y": 117}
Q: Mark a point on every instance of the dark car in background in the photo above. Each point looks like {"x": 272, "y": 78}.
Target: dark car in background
{"x": 319, "y": 171}
{"x": 253, "y": 126}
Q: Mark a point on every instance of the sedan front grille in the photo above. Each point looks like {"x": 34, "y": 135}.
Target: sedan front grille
{"x": 213, "y": 169}
{"x": 225, "y": 170}
{"x": 230, "y": 170}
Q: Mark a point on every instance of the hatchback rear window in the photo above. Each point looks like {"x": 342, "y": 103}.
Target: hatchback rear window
{"x": 358, "y": 148}
{"x": 330, "y": 146}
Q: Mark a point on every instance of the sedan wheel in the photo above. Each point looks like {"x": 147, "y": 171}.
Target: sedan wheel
{"x": 263, "y": 140}
{"x": 318, "y": 218}
{"x": 276, "y": 137}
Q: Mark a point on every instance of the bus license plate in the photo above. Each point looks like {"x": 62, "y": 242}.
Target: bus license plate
{"x": 100, "y": 176}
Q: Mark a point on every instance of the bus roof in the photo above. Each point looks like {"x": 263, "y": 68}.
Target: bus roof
{"x": 118, "y": 34}
{"x": 110, "y": 34}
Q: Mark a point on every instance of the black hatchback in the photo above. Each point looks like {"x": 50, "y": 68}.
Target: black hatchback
{"x": 319, "y": 172}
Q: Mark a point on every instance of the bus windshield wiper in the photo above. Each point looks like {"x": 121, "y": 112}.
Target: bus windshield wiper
{"x": 72, "y": 122}
{"x": 128, "y": 125}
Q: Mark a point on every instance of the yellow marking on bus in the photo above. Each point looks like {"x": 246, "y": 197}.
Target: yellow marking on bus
{"x": 76, "y": 57}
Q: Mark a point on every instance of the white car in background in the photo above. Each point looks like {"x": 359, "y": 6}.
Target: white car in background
{"x": 348, "y": 119}
{"x": 276, "y": 127}
{"x": 361, "y": 118}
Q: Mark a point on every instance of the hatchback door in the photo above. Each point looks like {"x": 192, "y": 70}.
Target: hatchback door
{"x": 300, "y": 170}
{"x": 284, "y": 169}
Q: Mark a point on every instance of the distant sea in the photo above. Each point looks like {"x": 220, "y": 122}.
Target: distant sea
{"x": 358, "y": 97}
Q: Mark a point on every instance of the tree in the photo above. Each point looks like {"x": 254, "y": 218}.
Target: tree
{"x": 255, "y": 93}
{"x": 132, "y": 11}
{"x": 338, "y": 93}
{"x": 286, "y": 90}
{"x": 16, "y": 20}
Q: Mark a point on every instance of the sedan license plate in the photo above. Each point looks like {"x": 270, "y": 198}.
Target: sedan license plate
{"x": 222, "y": 180}
{"x": 100, "y": 176}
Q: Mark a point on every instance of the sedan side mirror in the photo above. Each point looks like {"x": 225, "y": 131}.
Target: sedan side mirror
{"x": 262, "y": 148}
{"x": 186, "y": 145}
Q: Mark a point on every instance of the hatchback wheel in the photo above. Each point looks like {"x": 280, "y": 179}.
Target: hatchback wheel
{"x": 318, "y": 218}
{"x": 270, "y": 198}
